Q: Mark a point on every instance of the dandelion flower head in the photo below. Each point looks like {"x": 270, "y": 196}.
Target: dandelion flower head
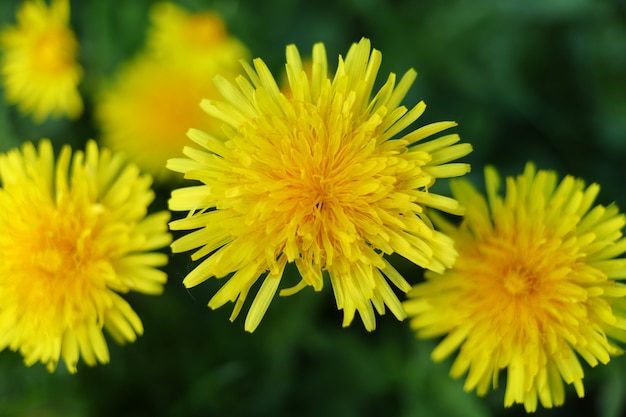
{"x": 155, "y": 98}
{"x": 200, "y": 39}
{"x": 39, "y": 68}
{"x": 149, "y": 107}
{"x": 318, "y": 178}
{"x": 74, "y": 235}
{"x": 535, "y": 287}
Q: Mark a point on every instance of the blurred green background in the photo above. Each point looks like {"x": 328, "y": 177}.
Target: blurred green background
{"x": 541, "y": 80}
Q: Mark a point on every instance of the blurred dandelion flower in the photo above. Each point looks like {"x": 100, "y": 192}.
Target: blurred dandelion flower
{"x": 315, "y": 178}
{"x": 149, "y": 108}
{"x": 199, "y": 39}
{"x": 533, "y": 286}
{"x": 73, "y": 235}
{"x": 155, "y": 98}
{"x": 39, "y": 64}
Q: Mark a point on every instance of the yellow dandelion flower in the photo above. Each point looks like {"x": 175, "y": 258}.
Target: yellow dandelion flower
{"x": 73, "y": 235}
{"x": 201, "y": 39}
{"x": 316, "y": 178}
{"x": 150, "y": 106}
{"x": 532, "y": 290}
{"x": 39, "y": 64}
{"x": 156, "y": 98}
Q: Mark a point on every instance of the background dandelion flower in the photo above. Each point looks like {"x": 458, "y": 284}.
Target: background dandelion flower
{"x": 39, "y": 68}
{"x": 155, "y": 98}
{"x": 316, "y": 178}
{"x": 533, "y": 288}
{"x": 198, "y": 39}
{"x": 73, "y": 235}
{"x": 148, "y": 109}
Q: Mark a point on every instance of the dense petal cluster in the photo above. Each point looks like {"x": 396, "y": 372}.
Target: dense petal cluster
{"x": 535, "y": 287}
{"x": 39, "y": 68}
{"x": 155, "y": 98}
{"x": 74, "y": 235}
{"x": 316, "y": 177}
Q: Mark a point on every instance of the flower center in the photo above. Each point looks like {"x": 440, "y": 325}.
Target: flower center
{"x": 205, "y": 29}
{"x": 171, "y": 110}
{"x": 59, "y": 246}
{"x": 519, "y": 279}
{"x": 55, "y": 51}
{"x": 320, "y": 191}
{"x": 53, "y": 266}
